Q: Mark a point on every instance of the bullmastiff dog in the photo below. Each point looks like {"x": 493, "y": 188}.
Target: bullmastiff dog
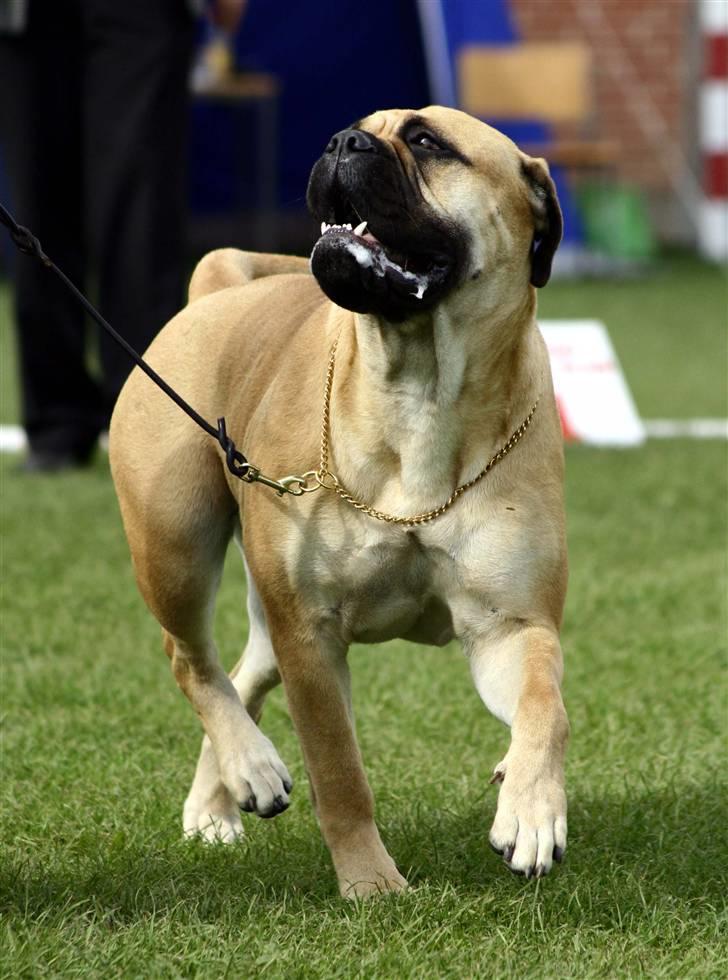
{"x": 406, "y": 383}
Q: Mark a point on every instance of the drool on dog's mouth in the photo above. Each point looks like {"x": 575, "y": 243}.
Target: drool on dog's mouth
{"x": 404, "y": 279}
{"x": 411, "y": 272}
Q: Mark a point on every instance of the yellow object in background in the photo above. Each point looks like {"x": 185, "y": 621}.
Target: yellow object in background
{"x": 215, "y": 61}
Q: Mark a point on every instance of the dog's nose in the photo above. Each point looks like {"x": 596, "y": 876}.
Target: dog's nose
{"x": 350, "y": 141}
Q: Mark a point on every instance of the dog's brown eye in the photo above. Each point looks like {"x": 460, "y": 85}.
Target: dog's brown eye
{"x": 425, "y": 141}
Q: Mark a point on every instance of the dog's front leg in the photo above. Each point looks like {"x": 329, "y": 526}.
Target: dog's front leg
{"x": 315, "y": 677}
{"x": 518, "y": 675}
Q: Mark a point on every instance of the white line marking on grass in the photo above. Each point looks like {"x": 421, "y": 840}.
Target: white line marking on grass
{"x": 13, "y": 440}
{"x": 12, "y": 437}
{"x": 686, "y": 428}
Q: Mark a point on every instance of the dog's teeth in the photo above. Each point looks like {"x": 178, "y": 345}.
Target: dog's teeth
{"x": 324, "y": 226}
{"x": 348, "y": 227}
{"x": 359, "y": 230}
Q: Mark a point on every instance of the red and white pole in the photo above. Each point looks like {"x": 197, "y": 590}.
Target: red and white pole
{"x": 713, "y": 101}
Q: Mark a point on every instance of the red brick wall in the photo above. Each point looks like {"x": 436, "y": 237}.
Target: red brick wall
{"x": 658, "y": 39}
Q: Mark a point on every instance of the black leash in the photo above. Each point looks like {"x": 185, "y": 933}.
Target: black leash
{"x": 237, "y": 463}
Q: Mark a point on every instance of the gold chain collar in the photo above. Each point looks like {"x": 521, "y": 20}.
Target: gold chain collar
{"x": 323, "y": 477}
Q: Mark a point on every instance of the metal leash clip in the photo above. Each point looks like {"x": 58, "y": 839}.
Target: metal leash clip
{"x": 295, "y": 485}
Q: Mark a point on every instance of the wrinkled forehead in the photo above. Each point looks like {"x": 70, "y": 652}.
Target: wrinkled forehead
{"x": 473, "y": 138}
{"x": 387, "y": 123}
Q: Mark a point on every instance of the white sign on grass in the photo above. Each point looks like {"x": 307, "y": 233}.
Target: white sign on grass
{"x": 594, "y": 401}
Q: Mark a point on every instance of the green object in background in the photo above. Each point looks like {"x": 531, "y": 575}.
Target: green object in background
{"x": 615, "y": 221}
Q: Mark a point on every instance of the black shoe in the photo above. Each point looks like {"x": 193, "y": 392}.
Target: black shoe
{"x": 38, "y": 461}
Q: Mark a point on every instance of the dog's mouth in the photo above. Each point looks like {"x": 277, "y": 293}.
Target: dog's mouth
{"x": 412, "y": 273}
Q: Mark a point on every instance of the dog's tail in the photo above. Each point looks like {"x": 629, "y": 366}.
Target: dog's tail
{"x": 227, "y": 267}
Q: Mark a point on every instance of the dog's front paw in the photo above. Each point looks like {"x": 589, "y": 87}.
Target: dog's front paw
{"x": 529, "y": 829}
{"x": 363, "y": 866}
{"x": 256, "y": 778}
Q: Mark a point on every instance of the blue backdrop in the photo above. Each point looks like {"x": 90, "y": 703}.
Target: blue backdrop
{"x": 337, "y": 60}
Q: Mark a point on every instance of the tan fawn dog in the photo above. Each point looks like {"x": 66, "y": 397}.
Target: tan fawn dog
{"x": 413, "y": 350}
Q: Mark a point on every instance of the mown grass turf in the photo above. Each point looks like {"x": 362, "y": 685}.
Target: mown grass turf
{"x": 98, "y": 748}
{"x": 8, "y": 375}
{"x": 669, "y": 330}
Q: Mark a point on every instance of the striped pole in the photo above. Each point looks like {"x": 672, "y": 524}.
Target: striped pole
{"x": 713, "y": 232}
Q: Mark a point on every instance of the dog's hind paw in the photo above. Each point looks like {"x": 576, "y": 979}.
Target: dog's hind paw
{"x": 212, "y": 820}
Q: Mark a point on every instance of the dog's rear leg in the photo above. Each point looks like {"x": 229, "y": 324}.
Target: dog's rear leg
{"x": 209, "y": 808}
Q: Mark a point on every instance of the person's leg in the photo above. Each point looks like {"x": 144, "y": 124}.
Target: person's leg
{"x": 41, "y": 128}
{"x": 136, "y": 115}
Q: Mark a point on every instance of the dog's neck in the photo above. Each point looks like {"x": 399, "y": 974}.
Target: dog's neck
{"x": 420, "y": 405}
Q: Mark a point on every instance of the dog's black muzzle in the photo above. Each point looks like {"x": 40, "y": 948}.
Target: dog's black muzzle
{"x": 387, "y": 252}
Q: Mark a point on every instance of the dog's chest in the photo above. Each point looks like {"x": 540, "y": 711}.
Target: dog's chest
{"x": 375, "y": 583}
{"x": 385, "y": 587}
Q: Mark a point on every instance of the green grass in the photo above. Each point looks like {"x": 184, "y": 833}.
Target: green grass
{"x": 9, "y": 388}
{"x": 98, "y": 746}
{"x": 669, "y": 330}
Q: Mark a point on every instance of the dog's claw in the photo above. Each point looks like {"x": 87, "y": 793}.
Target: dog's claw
{"x": 499, "y": 773}
{"x": 278, "y": 806}
{"x": 248, "y": 805}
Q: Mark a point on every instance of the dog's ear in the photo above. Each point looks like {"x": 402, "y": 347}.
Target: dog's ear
{"x": 548, "y": 225}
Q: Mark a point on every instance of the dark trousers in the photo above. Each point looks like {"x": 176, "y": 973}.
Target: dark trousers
{"x": 93, "y": 123}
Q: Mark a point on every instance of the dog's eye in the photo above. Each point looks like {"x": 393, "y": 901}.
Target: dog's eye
{"x": 425, "y": 141}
